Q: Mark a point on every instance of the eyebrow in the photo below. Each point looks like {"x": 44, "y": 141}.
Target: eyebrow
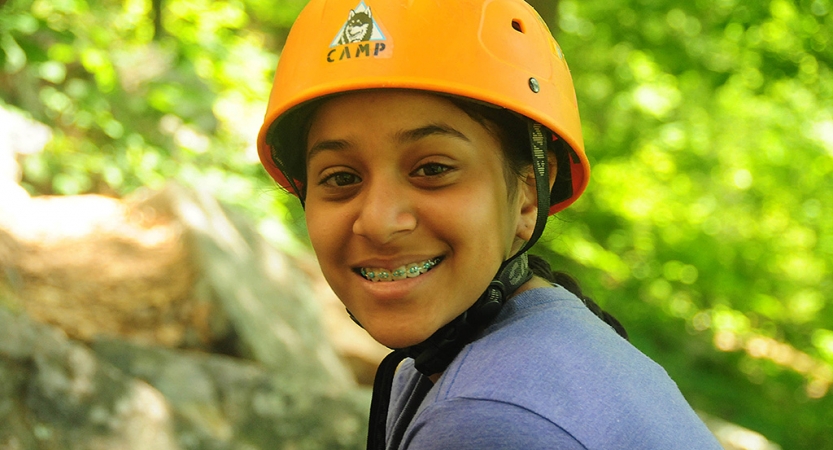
{"x": 429, "y": 130}
{"x": 330, "y": 144}
{"x": 402, "y": 137}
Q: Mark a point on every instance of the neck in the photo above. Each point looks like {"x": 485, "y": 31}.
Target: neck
{"x": 533, "y": 283}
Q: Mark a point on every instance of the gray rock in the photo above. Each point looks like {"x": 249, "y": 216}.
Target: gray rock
{"x": 221, "y": 402}
{"x": 56, "y": 394}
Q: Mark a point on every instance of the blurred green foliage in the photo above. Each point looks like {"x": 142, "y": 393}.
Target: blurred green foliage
{"x": 138, "y": 95}
{"x": 707, "y": 227}
{"x": 708, "y": 224}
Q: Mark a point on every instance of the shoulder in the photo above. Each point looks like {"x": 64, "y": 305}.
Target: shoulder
{"x": 550, "y": 355}
{"x": 549, "y": 330}
{"x": 465, "y": 423}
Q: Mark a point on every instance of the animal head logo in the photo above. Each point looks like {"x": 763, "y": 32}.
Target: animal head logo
{"x": 359, "y": 27}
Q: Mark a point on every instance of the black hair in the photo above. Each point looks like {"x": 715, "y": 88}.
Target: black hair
{"x": 287, "y": 138}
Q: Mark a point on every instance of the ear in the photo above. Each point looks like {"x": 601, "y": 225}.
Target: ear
{"x": 528, "y": 199}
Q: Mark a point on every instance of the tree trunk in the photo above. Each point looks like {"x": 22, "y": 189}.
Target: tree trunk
{"x": 158, "y": 29}
{"x": 548, "y": 9}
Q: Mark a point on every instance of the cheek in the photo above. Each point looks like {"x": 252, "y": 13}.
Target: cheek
{"x": 323, "y": 230}
{"x": 313, "y": 226}
{"x": 328, "y": 244}
{"x": 501, "y": 218}
{"x": 479, "y": 227}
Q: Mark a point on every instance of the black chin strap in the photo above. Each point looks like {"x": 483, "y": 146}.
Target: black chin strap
{"x": 433, "y": 355}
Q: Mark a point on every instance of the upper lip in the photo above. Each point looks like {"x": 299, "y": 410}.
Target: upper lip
{"x": 391, "y": 263}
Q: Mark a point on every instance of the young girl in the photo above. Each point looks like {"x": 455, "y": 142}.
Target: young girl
{"x": 428, "y": 141}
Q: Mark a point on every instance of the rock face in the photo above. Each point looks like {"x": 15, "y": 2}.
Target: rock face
{"x": 59, "y": 394}
{"x": 110, "y": 331}
{"x": 94, "y": 265}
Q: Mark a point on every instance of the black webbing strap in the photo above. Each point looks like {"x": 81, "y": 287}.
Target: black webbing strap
{"x": 435, "y": 353}
{"x": 541, "y": 167}
{"x": 380, "y": 402}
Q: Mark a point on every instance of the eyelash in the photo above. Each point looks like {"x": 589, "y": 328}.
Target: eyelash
{"x": 326, "y": 180}
{"x": 443, "y": 169}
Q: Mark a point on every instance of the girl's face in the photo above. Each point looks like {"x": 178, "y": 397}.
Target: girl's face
{"x": 403, "y": 185}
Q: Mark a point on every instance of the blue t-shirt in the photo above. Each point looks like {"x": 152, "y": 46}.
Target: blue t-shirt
{"x": 548, "y": 374}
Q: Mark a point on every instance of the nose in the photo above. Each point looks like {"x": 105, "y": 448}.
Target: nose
{"x": 385, "y": 213}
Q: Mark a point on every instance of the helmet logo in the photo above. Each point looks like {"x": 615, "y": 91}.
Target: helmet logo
{"x": 355, "y": 36}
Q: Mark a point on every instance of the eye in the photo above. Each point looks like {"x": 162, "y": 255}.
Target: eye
{"x": 340, "y": 179}
{"x": 431, "y": 170}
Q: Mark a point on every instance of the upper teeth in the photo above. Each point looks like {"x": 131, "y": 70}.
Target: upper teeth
{"x": 399, "y": 273}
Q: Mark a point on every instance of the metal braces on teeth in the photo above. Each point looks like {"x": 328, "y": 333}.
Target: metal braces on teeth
{"x": 409, "y": 271}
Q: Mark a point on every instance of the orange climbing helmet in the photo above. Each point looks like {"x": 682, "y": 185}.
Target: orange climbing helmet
{"x": 498, "y": 52}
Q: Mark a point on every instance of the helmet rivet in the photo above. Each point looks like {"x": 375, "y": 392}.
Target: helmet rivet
{"x": 533, "y": 84}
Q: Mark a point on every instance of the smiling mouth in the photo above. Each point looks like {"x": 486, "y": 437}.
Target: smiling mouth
{"x": 400, "y": 273}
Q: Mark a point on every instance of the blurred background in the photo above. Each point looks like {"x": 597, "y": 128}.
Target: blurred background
{"x": 707, "y": 228}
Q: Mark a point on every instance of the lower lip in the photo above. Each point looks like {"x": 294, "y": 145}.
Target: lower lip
{"x": 394, "y": 290}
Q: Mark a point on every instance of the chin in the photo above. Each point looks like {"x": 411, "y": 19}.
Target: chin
{"x": 399, "y": 338}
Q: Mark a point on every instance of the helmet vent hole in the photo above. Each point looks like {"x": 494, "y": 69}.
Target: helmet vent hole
{"x": 518, "y": 25}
